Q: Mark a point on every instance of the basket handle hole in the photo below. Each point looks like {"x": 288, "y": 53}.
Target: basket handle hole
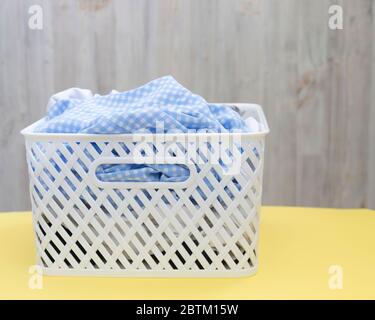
{"x": 132, "y": 172}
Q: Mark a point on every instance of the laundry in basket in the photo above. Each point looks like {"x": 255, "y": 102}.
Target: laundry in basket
{"x": 171, "y": 212}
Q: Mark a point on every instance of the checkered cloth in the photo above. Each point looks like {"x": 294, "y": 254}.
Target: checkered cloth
{"x": 160, "y": 106}
{"x": 142, "y": 172}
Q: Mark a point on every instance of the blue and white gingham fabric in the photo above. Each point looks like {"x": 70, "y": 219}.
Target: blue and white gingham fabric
{"x": 142, "y": 172}
{"x": 162, "y": 106}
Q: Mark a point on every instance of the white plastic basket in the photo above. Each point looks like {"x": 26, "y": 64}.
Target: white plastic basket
{"x": 205, "y": 226}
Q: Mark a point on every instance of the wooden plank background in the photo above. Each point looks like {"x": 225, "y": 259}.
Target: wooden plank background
{"x": 317, "y": 86}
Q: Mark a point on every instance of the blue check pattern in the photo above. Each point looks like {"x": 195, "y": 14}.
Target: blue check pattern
{"x": 162, "y": 104}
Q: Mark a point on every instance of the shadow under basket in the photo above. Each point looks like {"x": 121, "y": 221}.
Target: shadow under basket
{"x": 205, "y": 226}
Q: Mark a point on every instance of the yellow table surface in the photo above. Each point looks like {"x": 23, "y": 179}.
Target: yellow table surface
{"x": 297, "y": 248}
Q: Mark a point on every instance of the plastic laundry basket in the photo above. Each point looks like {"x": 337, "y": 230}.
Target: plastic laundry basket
{"x": 205, "y": 226}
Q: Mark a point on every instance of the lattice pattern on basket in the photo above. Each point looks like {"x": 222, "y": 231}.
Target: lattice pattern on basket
{"x": 211, "y": 224}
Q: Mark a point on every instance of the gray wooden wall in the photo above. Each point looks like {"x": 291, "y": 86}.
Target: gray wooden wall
{"x": 317, "y": 86}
